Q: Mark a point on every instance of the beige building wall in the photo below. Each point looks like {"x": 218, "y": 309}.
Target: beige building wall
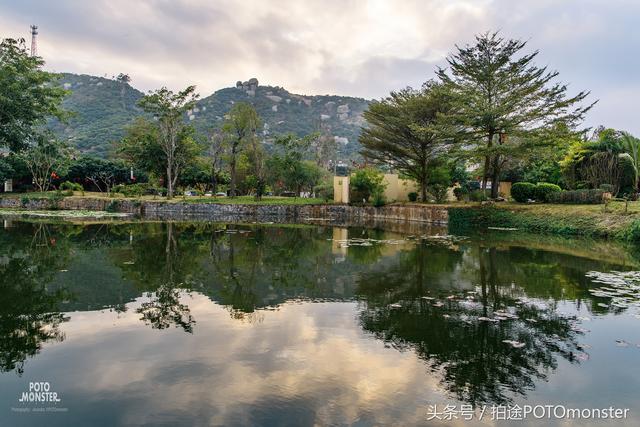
{"x": 341, "y": 189}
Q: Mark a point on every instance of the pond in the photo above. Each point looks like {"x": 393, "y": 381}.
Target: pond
{"x": 228, "y": 324}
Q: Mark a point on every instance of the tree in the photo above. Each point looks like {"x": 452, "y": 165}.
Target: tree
{"x": 365, "y": 183}
{"x": 402, "y": 131}
{"x": 46, "y": 158}
{"x": 103, "y": 174}
{"x": 631, "y": 146}
{"x": 241, "y": 123}
{"x": 27, "y": 95}
{"x": 140, "y": 147}
{"x": 124, "y": 81}
{"x": 501, "y": 103}
{"x": 216, "y": 149}
{"x": 168, "y": 109}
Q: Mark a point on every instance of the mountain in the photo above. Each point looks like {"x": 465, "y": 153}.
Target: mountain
{"x": 101, "y": 109}
{"x": 104, "y": 107}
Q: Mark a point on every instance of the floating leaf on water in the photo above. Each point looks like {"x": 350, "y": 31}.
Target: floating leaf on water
{"x": 438, "y": 304}
{"x": 582, "y": 356}
{"x": 584, "y": 346}
{"x": 63, "y": 271}
{"x": 514, "y": 344}
{"x": 487, "y": 319}
{"x": 603, "y": 305}
{"x": 395, "y": 305}
{"x": 129, "y": 262}
{"x": 622, "y": 343}
{"x": 428, "y": 298}
{"x": 531, "y": 320}
{"x": 584, "y": 318}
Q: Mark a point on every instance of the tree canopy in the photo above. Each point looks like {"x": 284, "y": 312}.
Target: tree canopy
{"x": 28, "y": 96}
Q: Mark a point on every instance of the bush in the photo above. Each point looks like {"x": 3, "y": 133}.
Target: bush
{"x": 460, "y": 192}
{"x": 439, "y": 192}
{"x": 324, "y": 191}
{"x": 365, "y": 183}
{"x": 413, "y": 196}
{"x": 71, "y": 186}
{"x": 544, "y": 191}
{"x": 478, "y": 196}
{"x": 523, "y": 191}
{"x": 584, "y": 197}
{"x": 378, "y": 199}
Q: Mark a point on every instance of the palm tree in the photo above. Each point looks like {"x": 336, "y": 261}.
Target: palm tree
{"x": 631, "y": 146}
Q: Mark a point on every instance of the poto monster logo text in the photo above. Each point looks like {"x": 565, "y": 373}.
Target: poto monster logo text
{"x": 39, "y": 392}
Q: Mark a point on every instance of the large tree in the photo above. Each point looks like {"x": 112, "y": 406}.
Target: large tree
{"x": 401, "y": 131}
{"x": 501, "y": 101}
{"x": 169, "y": 109}
{"x": 241, "y": 124}
{"x": 28, "y": 95}
{"x": 46, "y": 158}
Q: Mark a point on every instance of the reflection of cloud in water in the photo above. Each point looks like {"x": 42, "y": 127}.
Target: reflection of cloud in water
{"x": 305, "y": 360}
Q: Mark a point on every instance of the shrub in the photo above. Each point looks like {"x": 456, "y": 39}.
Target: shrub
{"x": 523, "y": 191}
{"x": 134, "y": 190}
{"x": 24, "y": 201}
{"x": 378, "y": 199}
{"x": 413, "y": 196}
{"x": 71, "y": 186}
{"x": 460, "y": 192}
{"x": 584, "y": 197}
{"x": 544, "y": 191}
{"x": 324, "y": 191}
{"x": 439, "y": 192}
{"x": 365, "y": 183}
{"x": 607, "y": 188}
{"x": 478, "y": 196}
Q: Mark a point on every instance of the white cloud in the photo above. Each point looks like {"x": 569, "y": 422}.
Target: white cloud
{"x": 353, "y": 47}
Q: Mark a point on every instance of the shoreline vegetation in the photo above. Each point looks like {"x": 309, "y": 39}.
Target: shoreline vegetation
{"x": 620, "y": 222}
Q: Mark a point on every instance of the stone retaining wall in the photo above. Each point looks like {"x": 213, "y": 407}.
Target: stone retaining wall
{"x": 179, "y": 211}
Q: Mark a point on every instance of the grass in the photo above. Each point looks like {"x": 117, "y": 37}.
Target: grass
{"x": 558, "y": 219}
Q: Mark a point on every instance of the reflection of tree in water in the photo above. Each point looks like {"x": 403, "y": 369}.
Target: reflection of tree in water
{"x": 28, "y": 311}
{"x": 477, "y": 367}
{"x": 160, "y": 269}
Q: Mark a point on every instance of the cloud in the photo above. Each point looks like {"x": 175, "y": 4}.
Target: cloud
{"x": 351, "y": 47}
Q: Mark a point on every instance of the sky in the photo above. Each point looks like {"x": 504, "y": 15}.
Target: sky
{"x": 343, "y": 47}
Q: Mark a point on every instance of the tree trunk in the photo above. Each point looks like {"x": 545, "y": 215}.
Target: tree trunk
{"x": 232, "y": 167}
{"x": 423, "y": 190}
{"x": 169, "y": 182}
{"x": 495, "y": 178}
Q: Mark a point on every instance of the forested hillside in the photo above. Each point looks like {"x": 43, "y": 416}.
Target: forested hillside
{"x": 103, "y": 107}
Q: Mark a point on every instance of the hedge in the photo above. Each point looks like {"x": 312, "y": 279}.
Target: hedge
{"x": 523, "y": 191}
{"x": 581, "y": 197}
{"x": 544, "y": 191}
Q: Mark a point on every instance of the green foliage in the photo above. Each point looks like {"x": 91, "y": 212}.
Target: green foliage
{"x": 473, "y": 219}
{"x": 460, "y": 193}
{"x": 412, "y": 196}
{"x": 401, "y": 130}
{"x": 478, "y": 196}
{"x": 439, "y": 192}
{"x": 378, "y": 199}
{"x": 544, "y": 191}
{"x": 71, "y": 186}
{"x": 523, "y": 191}
{"x": 46, "y": 158}
{"x": 135, "y": 190}
{"x": 99, "y": 173}
{"x": 6, "y": 169}
{"x": 27, "y": 95}
{"x": 240, "y": 126}
{"x": 365, "y": 183}
{"x": 516, "y": 106}
{"x": 584, "y": 197}
{"x": 631, "y": 233}
{"x": 324, "y": 191}
{"x": 175, "y": 137}
{"x": 101, "y": 109}
{"x": 286, "y": 168}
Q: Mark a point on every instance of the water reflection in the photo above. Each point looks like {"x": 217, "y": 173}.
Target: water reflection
{"x": 450, "y": 313}
{"x": 29, "y": 315}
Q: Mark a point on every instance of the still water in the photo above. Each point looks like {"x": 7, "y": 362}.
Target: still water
{"x": 218, "y": 324}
